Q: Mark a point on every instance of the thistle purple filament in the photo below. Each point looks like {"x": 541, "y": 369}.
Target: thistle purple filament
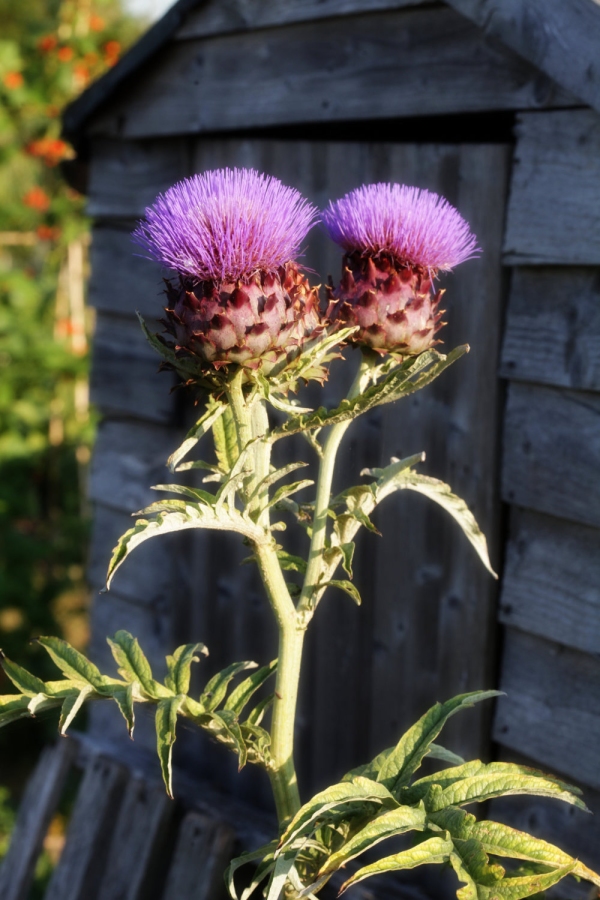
{"x": 226, "y": 225}
{"x": 416, "y": 226}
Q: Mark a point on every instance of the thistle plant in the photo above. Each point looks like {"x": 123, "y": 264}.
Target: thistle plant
{"x": 244, "y": 328}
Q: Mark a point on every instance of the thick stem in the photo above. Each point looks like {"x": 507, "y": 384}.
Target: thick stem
{"x": 314, "y": 568}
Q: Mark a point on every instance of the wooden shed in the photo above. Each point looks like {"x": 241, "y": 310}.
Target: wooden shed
{"x": 495, "y": 104}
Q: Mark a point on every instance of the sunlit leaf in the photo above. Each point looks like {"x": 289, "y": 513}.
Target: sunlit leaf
{"x": 179, "y": 666}
{"x": 13, "y": 707}
{"x": 71, "y": 706}
{"x": 239, "y": 697}
{"x": 265, "y": 854}
{"x": 214, "y": 410}
{"x": 435, "y": 850}
{"x": 22, "y": 679}
{"x": 124, "y": 698}
{"x": 216, "y": 688}
{"x": 72, "y": 663}
{"x": 437, "y": 752}
{"x": 166, "y": 725}
{"x": 133, "y": 665}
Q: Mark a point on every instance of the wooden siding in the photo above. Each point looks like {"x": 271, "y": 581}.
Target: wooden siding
{"x": 410, "y": 62}
{"x": 193, "y": 589}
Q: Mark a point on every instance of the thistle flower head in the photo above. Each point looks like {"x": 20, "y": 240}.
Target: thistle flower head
{"x": 416, "y": 227}
{"x": 226, "y": 225}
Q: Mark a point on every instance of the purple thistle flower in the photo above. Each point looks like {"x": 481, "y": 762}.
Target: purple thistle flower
{"x": 417, "y": 227}
{"x": 226, "y": 225}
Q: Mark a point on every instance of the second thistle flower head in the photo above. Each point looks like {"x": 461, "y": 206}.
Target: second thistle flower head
{"x": 396, "y": 240}
{"x": 232, "y": 235}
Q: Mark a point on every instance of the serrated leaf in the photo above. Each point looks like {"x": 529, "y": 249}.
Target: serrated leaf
{"x": 414, "y": 745}
{"x": 72, "y": 663}
{"x": 71, "y": 706}
{"x": 216, "y": 688}
{"x": 195, "y": 494}
{"x": 183, "y": 516}
{"x": 358, "y": 790}
{"x": 166, "y": 725}
{"x": 346, "y": 586}
{"x": 239, "y": 697}
{"x": 13, "y": 707}
{"x": 475, "y": 782}
{"x": 287, "y": 490}
{"x": 213, "y": 411}
{"x": 435, "y": 850}
{"x": 437, "y": 752}
{"x": 225, "y": 438}
{"x": 179, "y": 666}
{"x": 275, "y": 476}
{"x": 508, "y": 888}
{"x": 264, "y": 853}
{"x": 133, "y": 665}
{"x": 386, "y": 825}
{"x": 124, "y": 698}
{"x": 23, "y": 680}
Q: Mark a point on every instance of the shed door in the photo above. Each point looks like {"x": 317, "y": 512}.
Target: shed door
{"x": 426, "y": 627}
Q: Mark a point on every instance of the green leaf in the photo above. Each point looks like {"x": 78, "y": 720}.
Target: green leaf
{"x": 214, "y": 410}
{"x": 124, "y": 698}
{"x": 435, "y": 850}
{"x": 71, "y": 706}
{"x": 179, "y": 666}
{"x": 195, "y": 494}
{"x": 286, "y": 490}
{"x": 398, "y": 767}
{"x": 166, "y": 725}
{"x": 386, "y": 825}
{"x": 238, "y": 698}
{"x": 225, "y": 438}
{"x": 23, "y": 680}
{"x": 346, "y": 586}
{"x": 216, "y": 688}
{"x": 437, "y": 752}
{"x": 279, "y": 876}
{"x": 133, "y": 665}
{"x": 291, "y": 563}
{"x": 264, "y": 853}
{"x": 358, "y": 790}
{"x": 256, "y": 716}
{"x": 181, "y": 516}
{"x": 508, "y": 888}
{"x": 13, "y": 707}
{"x": 275, "y": 476}
{"x": 41, "y": 703}
{"x": 224, "y": 727}
{"x": 475, "y": 782}
{"x": 72, "y": 663}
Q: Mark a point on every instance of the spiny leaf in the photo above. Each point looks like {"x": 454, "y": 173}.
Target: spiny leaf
{"x": 398, "y": 767}
{"x": 72, "y": 663}
{"x": 13, "y": 707}
{"x": 358, "y": 790}
{"x": 23, "y": 680}
{"x": 133, "y": 665}
{"x": 214, "y": 410}
{"x": 216, "y": 688}
{"x": 166, "y": 725}
{"x": 124, "y": 698}
{"x": 387, "y": 824}
{"x": 179, "y": 666}
{"x": 71, "y": 706}
{"x": 238, "y": 698}
{"x": 434, "y": 850}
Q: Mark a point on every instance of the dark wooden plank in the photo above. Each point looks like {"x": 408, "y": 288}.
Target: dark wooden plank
{"x": 552, "y": 452}
{"x": 552, "y": 709}
{"x": 203, "y": 850}
{"x": 405, "y": 63}
{"x": 559, "y": 38}
{"x": 126, "y": 176}
{"x": 551, "y": 580}
{"x": 555, "y": 191}
{"x": 125, "y": 379}
{"x": 129, "y": 457}
{"x": 36, "y": 810}
{"x": 77, "y": 875}
{"x": 552, "y": 331}
{"x": 242, "y": 15}
{"x": 577, "y": 832}
{"x": 122, "y": 281}
{"x": 132, "y": 868}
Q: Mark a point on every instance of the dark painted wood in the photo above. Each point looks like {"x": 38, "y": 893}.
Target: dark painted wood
{"x": 555, "y": 190}
{"x": 552, "y": 333}
{"x": 202, "y": 852}
{"x": 411, "y": 62}
{"x": 552, "y": 452}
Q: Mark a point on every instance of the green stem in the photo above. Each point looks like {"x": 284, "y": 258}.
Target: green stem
{"x": 314, "y": 568}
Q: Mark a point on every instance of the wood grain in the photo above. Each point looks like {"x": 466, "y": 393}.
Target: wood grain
{"x": 36, "y": 810}
{"x": 552, "y": 452}
{"x": 552, "y": 333}
{"x": 551, "y": 581}
{"x": 551, "y": 711}
{"x": 201, "y": 855}
{"x": 555, "y": 190}
{"x": 559, "y": 38}
{"x": 77, "y": 875}
{"x": 126, "y": 176}
{"x": 125, "y": 379}
{"x": 412, "y": 62}
{"x": 123, "y": 282}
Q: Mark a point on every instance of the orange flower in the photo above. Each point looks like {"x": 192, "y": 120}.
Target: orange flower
{"x": 47, "y": 43}
{"x": 91, "y": 59}
{"x": 81, "y": 74}
{"x": 37, "y": 198}
{"x": 50, "y": 150}
{"x": 97, "y": 23}
{"x": 65, "y": 54}
{"x": 13, "y": 80}
{"x": 47, "y": 233}
{"x": 112, "y": 50}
